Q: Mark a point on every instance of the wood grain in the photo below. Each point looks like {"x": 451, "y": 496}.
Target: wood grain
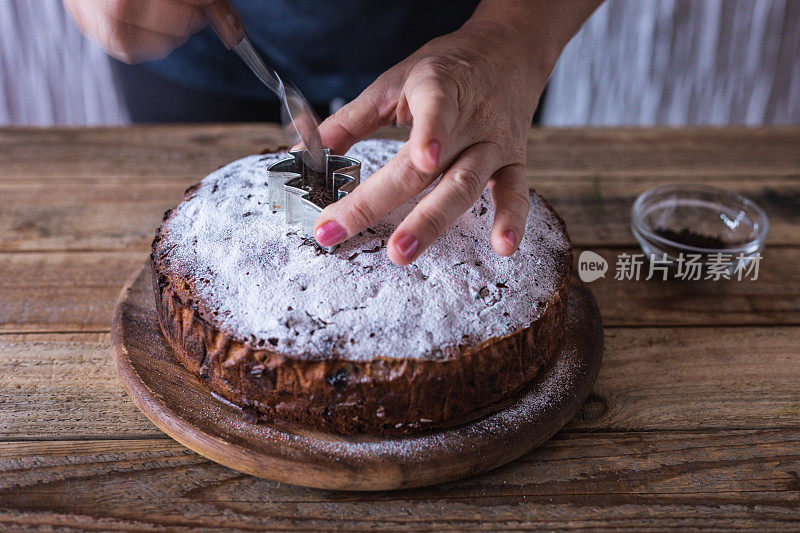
{"x": 58, "y": 291}
{"x": 585, "y": 153}
{"x": 683, "y": 479}
{"x": 76, "y": 291}
{"x": 702, "y": 153}
{"x": 651, "y": 379}
{"x": 116, "y": 214}
{"x": 693, "y": 422}
{"x": 773, "y": 298}
{"x": 64, "y": 386}
{"x": 185, "y": 409}
{"x": 107, "y": 188}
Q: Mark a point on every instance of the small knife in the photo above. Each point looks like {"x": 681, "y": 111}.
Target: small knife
{"x": 299, "y": 120}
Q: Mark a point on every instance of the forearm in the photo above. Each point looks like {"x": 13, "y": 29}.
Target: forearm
{"x": 539, "y": 29}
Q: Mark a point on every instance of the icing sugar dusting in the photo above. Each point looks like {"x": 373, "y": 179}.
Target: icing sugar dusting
{"x": 271, "y": 286}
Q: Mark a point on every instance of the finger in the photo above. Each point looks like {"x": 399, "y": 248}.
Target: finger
{"x": 457, "y": 191}
{"x": 511, "y": 205}
{"x": 131, "y": 44}
{"x": 359, "y": 118}
{"x": 175, "y": 18}
{"x": 432, "y": 101}
{"x": 389, "y": 187}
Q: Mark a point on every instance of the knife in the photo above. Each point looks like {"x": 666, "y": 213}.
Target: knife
{"x": 299, "y": 120}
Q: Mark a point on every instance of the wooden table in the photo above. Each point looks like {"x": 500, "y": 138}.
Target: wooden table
{"x": 694, "y": 422}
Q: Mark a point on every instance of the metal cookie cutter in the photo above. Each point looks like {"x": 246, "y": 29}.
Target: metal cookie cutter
{"x": 302, "y": 193}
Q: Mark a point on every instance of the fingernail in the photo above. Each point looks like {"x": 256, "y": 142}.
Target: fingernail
{"x": 330, "y": 233}
{"x": 510, "y": 237}
{"x": 434, "y": 151}
{"x": 407, "y": 245}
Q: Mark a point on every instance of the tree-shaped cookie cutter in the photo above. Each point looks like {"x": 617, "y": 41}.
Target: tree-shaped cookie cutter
{"x": 302, "y": 193}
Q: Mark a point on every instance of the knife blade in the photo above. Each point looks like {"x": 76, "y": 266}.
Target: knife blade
{"x": 299, "y": 120}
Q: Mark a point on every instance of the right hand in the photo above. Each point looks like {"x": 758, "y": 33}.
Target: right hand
{"x": 134, "y": 31}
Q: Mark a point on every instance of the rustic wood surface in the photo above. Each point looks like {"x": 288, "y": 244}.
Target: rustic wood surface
{"x": 694, "y": 421}
{"x": 180, "y": 405}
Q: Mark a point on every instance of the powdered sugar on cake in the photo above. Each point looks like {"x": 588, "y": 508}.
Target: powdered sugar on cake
{"x": 273, "y": 288}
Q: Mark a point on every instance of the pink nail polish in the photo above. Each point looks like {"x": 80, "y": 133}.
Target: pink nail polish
{"x": 330, "y": 233}
{"x": 407, "y": 245}
{"x": 434, "y": 151}
{"x": 510, "y": 237}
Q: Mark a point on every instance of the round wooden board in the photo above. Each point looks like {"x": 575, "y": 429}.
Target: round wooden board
{"x": 183, "y": 408}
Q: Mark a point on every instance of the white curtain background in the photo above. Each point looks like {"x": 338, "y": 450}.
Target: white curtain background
{"x": 50, "y": 74}
{"x": 634, "y": 63}
{"x": 680, "y": 62}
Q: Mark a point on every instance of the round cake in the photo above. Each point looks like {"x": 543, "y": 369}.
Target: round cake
{"x": 348, "y": 342}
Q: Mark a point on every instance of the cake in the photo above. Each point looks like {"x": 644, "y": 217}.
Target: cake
{"x": 348, "y": 342}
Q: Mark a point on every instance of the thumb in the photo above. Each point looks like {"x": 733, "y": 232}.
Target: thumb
{"x": 359, "y": 118}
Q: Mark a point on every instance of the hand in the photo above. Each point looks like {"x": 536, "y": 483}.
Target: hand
{"x": 469, "y": 97}
{"x": 133, "y": 31}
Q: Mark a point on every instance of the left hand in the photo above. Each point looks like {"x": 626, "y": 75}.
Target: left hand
{"x": 469, "y": 98}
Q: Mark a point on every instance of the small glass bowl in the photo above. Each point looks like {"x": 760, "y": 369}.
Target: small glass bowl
{"x": 682, "y": 220}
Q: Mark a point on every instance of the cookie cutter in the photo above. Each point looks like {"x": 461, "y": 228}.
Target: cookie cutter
{"x": 302, "y": 193}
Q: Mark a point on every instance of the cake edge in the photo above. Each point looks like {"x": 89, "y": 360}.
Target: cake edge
{"x": 383, "y": 396}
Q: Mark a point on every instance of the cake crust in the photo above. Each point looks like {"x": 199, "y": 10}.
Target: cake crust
{"x": 385, "y": 394}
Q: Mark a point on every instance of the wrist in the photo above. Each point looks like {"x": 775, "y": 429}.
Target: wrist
{"x": 512, "y": 45}
{"x": 538, "y": 30}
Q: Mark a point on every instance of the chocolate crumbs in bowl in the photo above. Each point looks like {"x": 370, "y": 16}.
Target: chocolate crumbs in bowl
{"x": 689, "y": 237}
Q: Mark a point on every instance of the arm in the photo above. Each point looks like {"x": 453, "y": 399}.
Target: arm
{"x": 469, "y": 98}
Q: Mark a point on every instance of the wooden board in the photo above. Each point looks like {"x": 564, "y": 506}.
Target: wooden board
{"x": 185, "y": 409}
{"x": 76, "y": 291}
{"x": 690, "y": 480}
{"x": 105, "y": 189}
{"x": 693, "y": 422}
{"x": 122, "y": 214}
{"x": 652, "y": 380}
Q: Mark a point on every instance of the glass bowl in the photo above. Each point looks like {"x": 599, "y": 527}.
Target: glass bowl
{"x": 683, "y": 220}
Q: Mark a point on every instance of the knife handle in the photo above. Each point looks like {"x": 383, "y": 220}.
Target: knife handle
{"x": 225, "y": 22}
